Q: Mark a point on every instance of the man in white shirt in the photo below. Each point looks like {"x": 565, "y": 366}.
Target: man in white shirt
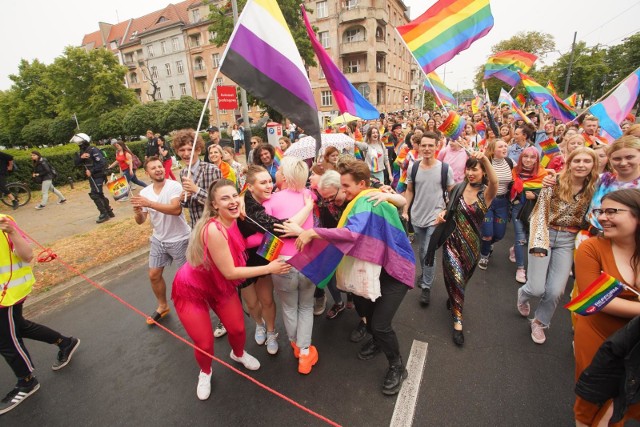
{"x": 161, "y": 202}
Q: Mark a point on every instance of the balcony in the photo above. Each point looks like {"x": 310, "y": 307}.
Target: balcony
{"x": 201, "y": 95}
{"x": 354, "y": 47}
{"x": 132, "y": 65}
{"x": 382, "y": 47}
{"x": 382, "y": 77}
{"x": 360, "y": 76}
{"x": 381, "y": 15}
{"x": 352, "y": 15}
{"x": 199, "y": 72}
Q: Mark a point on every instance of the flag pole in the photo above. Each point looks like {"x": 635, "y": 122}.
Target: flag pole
{"x": 629, "y": 288}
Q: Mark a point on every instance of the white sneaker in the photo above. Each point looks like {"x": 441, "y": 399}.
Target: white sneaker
{"x": 537, "y": 333}
{"x": 483, "y": 263}
{"x": 249, "y": 362}
{"x": 272, "y": 342}
{"x": 521, "y": 275}
{"x": 220, "y": 330}
{"x": 512, "y": 254}
{"x": 204, "y": 386}
{"x": 261, "y": 333}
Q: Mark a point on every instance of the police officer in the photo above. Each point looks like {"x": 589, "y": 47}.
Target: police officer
{"x": 95, "y": 164}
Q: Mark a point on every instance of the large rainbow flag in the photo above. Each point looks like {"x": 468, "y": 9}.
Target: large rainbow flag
{"x": 262, "y": 57}
{"x": 506, "y": 64}
{"x": 612, "y": 110}
{"x": 347, "y": 97}
{"x": 436, "y": 86}
{"x": 596, "y": 296}
{"x": 446, "y": 29}
{"x": 367, "y": 232}
{"x": 541, "y": 95}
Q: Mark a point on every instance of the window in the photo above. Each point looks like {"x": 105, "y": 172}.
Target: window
{"x": 176, "y": 43}
{"x": 350, "y": 4}
{"x": 215, "y": 59}
{"x": 167, "y": 67}
{"x": 179, "y": 67}
{"x": 354, "y": 35}
{"x": 150, "y": 50}
{"x": 163, "y": 47}
{"x": 128, "y": 57}
{"x": 326, "y": 98}
{"x": 199, "y": 65}
{"x": 133, "y": 78}
{"x": 324, "y": 39}
{"x": 171, "y": 91}
{"x": 353, "y": 66}
{"x": 195, "y": 15}
{"x": 379, "y": 34}
{"x": 212, "y": 35}
{"x": 158, "y": 94}
{"x": 203, "y": 85}
{"x": 322, "y": 10}
{"x": 183, "y": 88}
{"x": 144, "y": 77}
{"x": 154, "y": 72}
{"x": 219, "y": 81}
{"x": 194, "y": 41}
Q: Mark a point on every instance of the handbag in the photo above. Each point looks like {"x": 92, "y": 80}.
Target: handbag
{"x": 359, "y": 277}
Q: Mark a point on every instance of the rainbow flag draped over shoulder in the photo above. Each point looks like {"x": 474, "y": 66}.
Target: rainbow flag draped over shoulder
{"x": 506, "y": 64}
{"x": 542, "y": 95}
{"x": 596, "y": 296}
{"x": 347, "y": 97}
{"x": 441, "y": 93}
{"x": 446, "y": 29}
{"x": 262, "y": 57}
{"x": 367, "y": 232}
{"x": 549, "y": 150}
{"x": 612, "y": 110}
{"x": 453, "y": 125}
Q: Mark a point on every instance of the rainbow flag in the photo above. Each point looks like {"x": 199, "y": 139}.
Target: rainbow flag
{"x": 270, "y": 247}
{"x": 400, "y": 173}
{"x": 614, "y": 108}
{"x": 385, "y": 140}
{"x": 596, "y": 296}
{"x": 367, "y": 232}
{"x": 549, "y": 150}
{"x": 441, "y": 93}
{"x": 453, "y": 125}
{"x": 542, "y": 95}
{"x": 521, "y": 100}
{"x": 278, "y": 155}
{"x": 534, "y": 183}
{"x": 446, "y": 29}
{"x": 550, "y": 86}
{"x": 506, "y": 64}
{"x": 347, "y": 97}
{"x": 572, "y": 100}
{"x": 228, "y": 172}
{"x": 505, "y": 98}
{"x": 262, "y": 57}
{"x": 357, "y": 153}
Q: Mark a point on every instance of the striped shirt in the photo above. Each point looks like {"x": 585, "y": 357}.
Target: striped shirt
{"x": 504, "y": 175}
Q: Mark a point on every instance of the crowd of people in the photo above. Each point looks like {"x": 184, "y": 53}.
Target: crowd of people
{"x": 405, "y": 180}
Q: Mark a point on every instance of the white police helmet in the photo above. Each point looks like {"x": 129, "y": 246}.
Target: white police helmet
{"x": 81, "y": 138}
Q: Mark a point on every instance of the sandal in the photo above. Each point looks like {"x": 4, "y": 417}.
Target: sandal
{"x": 155, "y": 316}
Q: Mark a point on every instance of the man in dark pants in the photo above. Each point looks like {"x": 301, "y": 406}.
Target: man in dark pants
{"x": 95, "y": 165}
{"x": 152, "y": 148}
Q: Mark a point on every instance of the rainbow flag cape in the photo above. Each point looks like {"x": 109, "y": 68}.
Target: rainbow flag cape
{"x": 262, "y": 57}
{"x": 347, "y": 97}
{"x": 521, "y": 100}
{"x": 542, "y": 95}
{"x": 572, "y": 100}
{"x": 270, "y": 247}
{"x": 534, "y": 183}
{"x": 441, "y": 93}
{"x": 549, "y": 150}
{"x": 367, "y": 232}
{"x": 506, "y": 64}
{"x": 612, "y": 110}
{"x": 453, "y": 125}
{"x": 446, "y": 29}
{"x": 596, "y": 296}
{"x": 278, "y": 155}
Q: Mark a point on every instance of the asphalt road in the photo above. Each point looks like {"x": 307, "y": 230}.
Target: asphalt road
{"x": 125, "y": 373}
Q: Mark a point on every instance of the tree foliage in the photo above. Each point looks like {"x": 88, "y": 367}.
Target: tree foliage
{"x": 61, "y": 129}
{"x": 36, "y": 132}
{"x": 182, "y": 113}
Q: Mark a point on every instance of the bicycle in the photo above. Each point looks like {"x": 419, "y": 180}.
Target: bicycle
{"x": 20, "y": 192}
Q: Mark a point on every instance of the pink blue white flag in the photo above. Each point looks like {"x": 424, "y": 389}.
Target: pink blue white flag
{"x": 613, "y": 109}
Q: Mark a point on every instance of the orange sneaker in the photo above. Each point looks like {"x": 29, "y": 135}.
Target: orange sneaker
{"x": 296, "y": 350}
{"x": 307, "y": 361}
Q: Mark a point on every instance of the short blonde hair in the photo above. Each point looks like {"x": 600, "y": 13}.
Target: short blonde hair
{"x": 330, "y": 179}
{"x": 295, "y": 172}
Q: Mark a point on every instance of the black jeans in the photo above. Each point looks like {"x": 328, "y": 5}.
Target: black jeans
{"x": 379, "y": 314}
{"x": 13, "y": 328}
{"x": 96, "y": 193}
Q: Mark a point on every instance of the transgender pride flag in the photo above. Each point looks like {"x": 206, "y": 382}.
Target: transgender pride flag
{"x": 347, "y": 97}
{"x": 262, "y": 57}
{"x": 614, "y": 108}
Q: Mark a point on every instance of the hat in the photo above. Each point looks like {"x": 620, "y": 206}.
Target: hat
{"x": 396, "y": 126}
{"x": 81, "y": 138}
{"x": 113, "y": 141}
{"x": 213, "y": 129}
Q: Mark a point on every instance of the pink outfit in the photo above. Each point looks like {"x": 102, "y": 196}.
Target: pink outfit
{"x": 456, "y": 160}
{"x": 285, "y": 204}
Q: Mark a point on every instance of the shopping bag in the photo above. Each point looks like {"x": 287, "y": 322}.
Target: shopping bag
{"x": 359, "y": 277}
{"x": 119, "y": 188}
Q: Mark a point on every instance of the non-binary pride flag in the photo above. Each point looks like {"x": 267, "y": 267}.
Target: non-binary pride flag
{"x": 596, "y": 296}
{"x": 446, "y": 29}
{"x": 506, "y": 64}
{"x": 262, "y": 57}
{"x": 441, "y": 93}
{"x": 347, "y": 97}
{"x": 613, "y": 109}
{"x": 542, "y": 96}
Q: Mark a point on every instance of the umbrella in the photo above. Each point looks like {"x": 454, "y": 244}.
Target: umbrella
{"x": 305, "y": 148}
{"x": 344, "y": 118}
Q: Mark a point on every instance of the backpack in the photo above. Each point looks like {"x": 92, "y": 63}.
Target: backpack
{"x": 54, "y": 172}
{"x": 443, "y": 178}
{"x": 136, "y": 163}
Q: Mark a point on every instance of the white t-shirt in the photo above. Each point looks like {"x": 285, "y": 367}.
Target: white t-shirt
{"x": 166, "y": 228}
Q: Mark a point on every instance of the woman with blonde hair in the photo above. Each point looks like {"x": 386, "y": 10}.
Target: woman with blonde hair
{"x": 555, "y": 221}
{"x": 215, "y": 267}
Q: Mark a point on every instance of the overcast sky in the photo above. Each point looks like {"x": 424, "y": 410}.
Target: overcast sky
{"x": 41, "y": 29}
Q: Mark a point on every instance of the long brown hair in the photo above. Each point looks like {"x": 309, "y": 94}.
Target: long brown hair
{"x": 630, "y": 198}
{"x": 565, "y": 190}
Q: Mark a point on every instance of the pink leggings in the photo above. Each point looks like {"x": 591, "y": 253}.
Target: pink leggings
{"x": 196, "y": 321}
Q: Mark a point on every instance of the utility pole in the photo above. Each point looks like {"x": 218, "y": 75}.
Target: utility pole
{"x": 573, "y": 50}
{"x": 243, "y": 98}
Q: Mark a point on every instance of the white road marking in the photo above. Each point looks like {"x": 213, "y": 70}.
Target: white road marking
{"x": 405, "y": 408}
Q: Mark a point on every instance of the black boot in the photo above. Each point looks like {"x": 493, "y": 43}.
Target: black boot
{"x": 102, "y": 218}
{"x": 394, "y": 377}
{"x": 369, "y": 350}
{"x": 458, "y": 337}
{"x": 110, "y": 213}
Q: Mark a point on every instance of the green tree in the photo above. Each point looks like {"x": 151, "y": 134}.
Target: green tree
{"x": 182, "y": 113}
{"x": 112, "y": 123}
{"x": 142, "y": 117}
{"x": 62, "y": 129}
{"x": 36, "y": 132}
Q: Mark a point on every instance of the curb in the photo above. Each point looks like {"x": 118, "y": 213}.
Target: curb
{"x": 34, "y": 305}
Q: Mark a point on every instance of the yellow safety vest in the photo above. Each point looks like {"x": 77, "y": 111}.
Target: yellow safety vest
{"x": 16, "y": 276}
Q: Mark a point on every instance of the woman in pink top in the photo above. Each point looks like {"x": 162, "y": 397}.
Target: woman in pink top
{"x": 294, "y": 290}
{"x": 456, "y": 156}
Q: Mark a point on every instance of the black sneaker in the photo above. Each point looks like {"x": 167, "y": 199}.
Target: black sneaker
{"x": 14, "y": 204}
{"x": 63, "y": 201}
{"x": 425, "y": 297}
{"x": 18, "y": 395}
{"x": 111, "y": 214}
{"x": 335, "y": 310}
{"x": 65, "y": 354}
{"x": 393, "y": 380}
{"x": 369, "y": 350}
{"x": 102, "y": 218}
{"x": 359, "y": 332}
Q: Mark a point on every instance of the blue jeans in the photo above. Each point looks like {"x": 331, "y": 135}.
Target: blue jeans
{"x": 296, "y": 299}
{"x": 548, "y": 275}
{"x": 133, "y": 178}
{"x": 495, "y": 224}
{"x": 423, "y": 236}
{"x": 521, "y": 238}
